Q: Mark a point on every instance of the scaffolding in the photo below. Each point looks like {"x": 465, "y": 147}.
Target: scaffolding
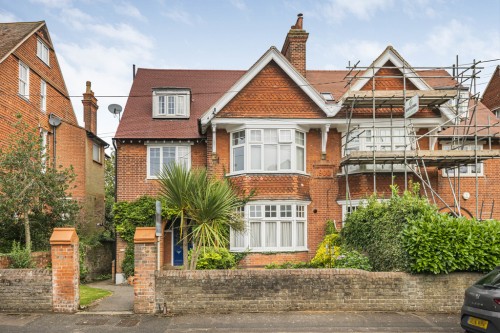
{"x": 403, "y": 153}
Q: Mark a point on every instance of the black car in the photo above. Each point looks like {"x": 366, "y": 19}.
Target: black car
{"x": 481, "y": 309}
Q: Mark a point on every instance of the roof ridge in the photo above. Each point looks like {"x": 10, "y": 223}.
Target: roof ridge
{"x": 191, "y": 70}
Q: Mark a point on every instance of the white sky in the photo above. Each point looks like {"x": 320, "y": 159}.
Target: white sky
{"x": 99, "y": 40}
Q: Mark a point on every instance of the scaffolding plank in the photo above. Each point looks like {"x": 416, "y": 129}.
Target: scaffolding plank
{"x": 437, "y": 158}
{"x": 397, "y": 97}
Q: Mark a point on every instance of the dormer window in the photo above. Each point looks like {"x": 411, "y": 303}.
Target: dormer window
{"x": 171, "y": 103}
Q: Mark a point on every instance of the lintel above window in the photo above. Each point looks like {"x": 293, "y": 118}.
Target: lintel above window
{"x": 171, "y": 102}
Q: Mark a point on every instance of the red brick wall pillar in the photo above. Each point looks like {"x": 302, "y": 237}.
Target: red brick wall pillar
{"x": 65, "y": 270}
{"x": 144, "y": 270}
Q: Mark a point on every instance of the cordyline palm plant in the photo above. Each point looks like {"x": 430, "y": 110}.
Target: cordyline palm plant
{"x": 176, "y": 182}
{"x": 209, "y": 204}
{"x": 212, "y": 209}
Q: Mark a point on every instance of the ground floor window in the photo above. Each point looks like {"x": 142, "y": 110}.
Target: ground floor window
{"x": 271, "y": 227}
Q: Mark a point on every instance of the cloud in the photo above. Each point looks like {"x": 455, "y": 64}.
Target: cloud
{"x": 75, "y": 18}
{"x": 363, "y": 50}
{"x": 417, "y": 9}
{"x": 123, "y": 33}
{"x": 240, "y": 4}
{"x": 6, "y": 16}
{"x": 361, "y": 9}
{"x": 179, "y": 16}
{"x": 127, "y": 9}
{"x": 53, "y": 3}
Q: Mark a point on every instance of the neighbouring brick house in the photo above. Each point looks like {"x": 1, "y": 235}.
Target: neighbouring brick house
{"x": 32, "y": 84}
{"x": 305, "y": 140}
{"x": 491, "y": 94}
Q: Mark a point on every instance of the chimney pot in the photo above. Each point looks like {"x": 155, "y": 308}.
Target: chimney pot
{"x": 294, "y": 48}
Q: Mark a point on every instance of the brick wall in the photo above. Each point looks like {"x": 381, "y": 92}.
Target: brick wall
{"x": 25, "y": 290}
{"x": 145, "y": 266}
{"x": 303, "y": 290}
{"x": 41, "y": 260}
{"x": 98, "y": 259}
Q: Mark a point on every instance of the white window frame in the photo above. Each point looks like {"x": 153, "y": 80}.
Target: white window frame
{"x": 469, "y": 173}
{"x": 249, "y": 211}
{"x": 161, "y": 146}
{"x": 96, "y": 147}
{"x": 24, "y": 82}
{"x": 42, "y": 51}
{"x": 178, "y": 99}
{"x": 349, "y": 206}
{"x": 364, "y": 140}
{"x": 254, "y": 140}
{"x": 43, "y": 96}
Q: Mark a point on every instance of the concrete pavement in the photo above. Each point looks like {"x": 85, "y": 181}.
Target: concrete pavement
{"x": 122, "y": 299}
{"x": 236, "y": 322}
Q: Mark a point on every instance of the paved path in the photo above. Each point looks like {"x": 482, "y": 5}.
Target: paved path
{"x": 121, "y": 301}
{"x": 353, "y": 322}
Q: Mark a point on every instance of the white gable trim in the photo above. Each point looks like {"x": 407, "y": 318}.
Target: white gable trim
{"x": 271, "y": 54}
{"x": 390, "y": 55}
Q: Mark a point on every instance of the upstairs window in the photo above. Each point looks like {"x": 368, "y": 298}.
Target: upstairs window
{"x": 96, "y": 152}
{"x": 42, "y": 51}
{"x": 171, "y": 103}
{"x": 268, "y": 150}
{"x": 24, "y": 80}
{"x": 43, "y": 96}
{"x": 467, "y": 170}
{"x": 161, "y": 156}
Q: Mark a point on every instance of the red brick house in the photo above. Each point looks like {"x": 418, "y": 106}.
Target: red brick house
{"x": 305, "y": 140}
{"x": 32, "y": 84}
{"x": 491, "y": 94}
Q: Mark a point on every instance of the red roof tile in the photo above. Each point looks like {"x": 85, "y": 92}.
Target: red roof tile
{"x": 487, "y": 123}
{"x": 11, "y": 34}
{"x": 207, "y": 86}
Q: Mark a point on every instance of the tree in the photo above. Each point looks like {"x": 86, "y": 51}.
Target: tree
{"x": 207, "y": 207}
{"x": 31, "y": 190}
{"x": 109, "y": 195}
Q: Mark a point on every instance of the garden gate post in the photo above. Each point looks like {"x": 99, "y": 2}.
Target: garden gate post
{"x": 144, "y": 269}
{"x": 65, "y": 270}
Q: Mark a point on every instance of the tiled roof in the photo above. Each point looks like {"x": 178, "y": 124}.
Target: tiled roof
{"x": 491, "y": 95}
{"x": 487, "y": 123}
{"x": 11, "y": 34}
{"x": 207, "y": 86}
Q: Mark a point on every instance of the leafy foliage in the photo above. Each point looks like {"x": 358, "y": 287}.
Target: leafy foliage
{"x": 376, "y": 228}
{"x": 439, "y": 243}
{"x": 290, "y": 265}
{"x": 215, "y": 258}
{"x": 33, "y": 192}
{"x": 20, "y": 257}
{"x": 352, "y": 259}
{"x": 327, "y": 252}
{"x": 109, "y": 197}
{"x": 138, "y": 213}
{"x": 206, "y": 207}
{"x": 128, "y": 261}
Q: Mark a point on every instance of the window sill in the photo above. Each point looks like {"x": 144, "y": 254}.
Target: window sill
{"x": 270, "y": 250}
{"x": 24, "y": 97}
{"x": 463, "y": 176}
{"x": 97, "y": 162}
{"x": 266, "y": 173}
{"x": 170, "y": 117}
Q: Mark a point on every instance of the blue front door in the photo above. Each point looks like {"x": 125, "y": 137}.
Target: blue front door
{"x": 178, "y": 261}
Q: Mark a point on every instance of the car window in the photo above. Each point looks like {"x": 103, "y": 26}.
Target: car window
{"x": 492, "y": 279}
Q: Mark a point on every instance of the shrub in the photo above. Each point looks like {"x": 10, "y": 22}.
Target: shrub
{"x": 376, "y": 228}
{"x": 20, "y": 257}
{"x": 439, "y": 243}
{"x": 214, "y": 258}
{"x": 327, "y": 252}
{"x": 352, "y": 259}
{"x": 128, "y": 261}
{"x": 84, "y": 270}
{"x": 290, "y": 265}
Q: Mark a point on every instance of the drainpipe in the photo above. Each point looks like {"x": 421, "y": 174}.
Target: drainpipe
{"x": 116, "y": 197}
{"x": 54, "y": 121}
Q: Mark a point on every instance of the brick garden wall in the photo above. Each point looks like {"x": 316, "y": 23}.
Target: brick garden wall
{"x": 302, "y": 290}
{"x": 25, "y": 290}
{"x": 41, "y": 260}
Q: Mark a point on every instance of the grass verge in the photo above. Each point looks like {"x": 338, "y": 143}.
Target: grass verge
{"x": 88, "y": 295}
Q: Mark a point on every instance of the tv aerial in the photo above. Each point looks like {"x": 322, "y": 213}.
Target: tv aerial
{"x": 115, "y": 109}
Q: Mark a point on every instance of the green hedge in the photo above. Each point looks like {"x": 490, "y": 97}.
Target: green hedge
{"x": 215, "y": 258}
{"x": 439, "y": 243}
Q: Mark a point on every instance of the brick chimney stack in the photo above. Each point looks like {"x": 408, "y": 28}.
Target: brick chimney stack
{"x": 90, "y": 110}
{"x": 294, "y": 48}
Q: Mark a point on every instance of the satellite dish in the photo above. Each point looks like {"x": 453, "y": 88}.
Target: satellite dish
{"x": 115, "y": 109}
{"x": 54, "y": 120}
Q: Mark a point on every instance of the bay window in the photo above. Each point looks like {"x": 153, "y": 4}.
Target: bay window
{"x": 161, "y": 156}
{"x": 272, "y": 227}
{"x": 383, "y": 139}
{"x": 268, "y": 150}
